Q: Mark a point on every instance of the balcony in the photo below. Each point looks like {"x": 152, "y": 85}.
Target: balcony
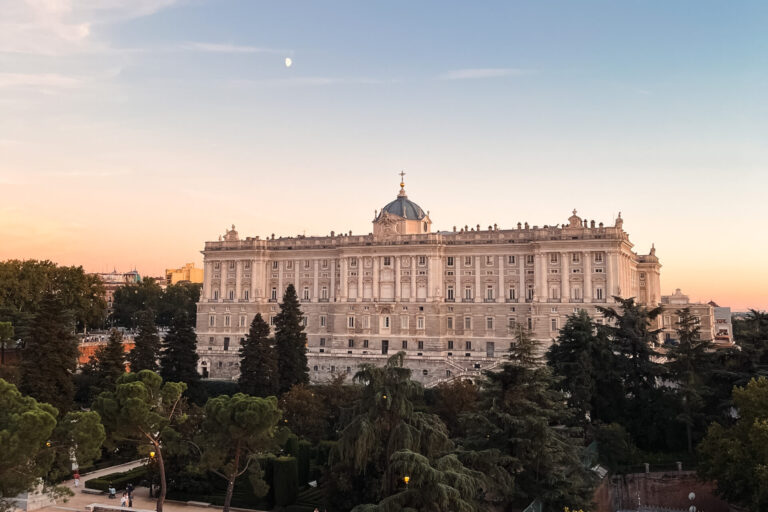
{"x": 229, "y": 300}
{"x": 272, "y": 300}
{"x": 489, "y": 300}
{"x": 242, "y": 300}
{"x": 511, "y": 300}
{"x": 450, "y": 300}
{"x": 529, "y": 300}
{"x": 576, "y": 300}
{"x": 467, "y": 300}
{"x": 323, "y": 299}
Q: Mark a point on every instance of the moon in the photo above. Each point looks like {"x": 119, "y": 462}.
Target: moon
{"x": 288, "y": 62}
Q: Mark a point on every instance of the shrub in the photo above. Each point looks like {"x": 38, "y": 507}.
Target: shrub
{"x": 292, "y": 446}
{"x": 286, "y": 480}
{"x": 323, "y": 451}
{"x": 303, "y": 462}
{"x": 118, "y": 480}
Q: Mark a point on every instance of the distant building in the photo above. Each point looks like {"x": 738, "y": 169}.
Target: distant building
{"x": 714, "y": 321}
{"x": 186, "y": 273}
{"x": 114, "y": 280}
{"x": 723, "y": 325}
{"x": 89, "y": 344}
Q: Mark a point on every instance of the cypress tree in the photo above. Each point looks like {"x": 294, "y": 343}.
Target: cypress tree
{"x": 50, "y": 356}
{"x": 147, "y": 348}
{"x": 111, "y": 360}
{"x": 178, "y": 361}
{"x": 291, "y": 343}
{"x": 258, "y": 361}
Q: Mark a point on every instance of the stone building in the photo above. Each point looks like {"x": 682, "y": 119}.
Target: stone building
{"x": 186, "y": 273}
{"x": 449, "y": 299}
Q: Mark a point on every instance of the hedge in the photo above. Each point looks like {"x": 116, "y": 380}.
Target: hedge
{"x": 303, "y": 461}
{"x": 118, "y": 480}
{"x": 286, "y": 480}
{"x": 292, "y": 446}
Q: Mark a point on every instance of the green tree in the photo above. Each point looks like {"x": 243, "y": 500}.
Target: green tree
{"x": 304, "y": 412}
{"x": 384, "y": 423}
{"x": 111, "y": 359}
{"x": 258, "y": 361}
{"x": 453, "y": 399}
{"x": 132, "y": 298}
{"x": 79, "y": 433}
{"x": 520, "y": 425}
{"x": 146, "y": 349}
{"x": 178, "y": 299}
{"x": 235, "y": 431}
{"x": 49, "y": 358}
{"x": 178, "y": 360}
{"x": 6, "y": 335}
{"x": 688, "y": 364}
{"x": 736, "y": 457}
{"x": 144, "y": 409}
{"x": 290, "y": 342}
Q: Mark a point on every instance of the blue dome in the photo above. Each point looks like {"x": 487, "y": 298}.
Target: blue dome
{"x": 404, "y": 208}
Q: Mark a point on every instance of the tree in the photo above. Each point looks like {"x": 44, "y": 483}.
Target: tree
{"x": 258, "y": 361}
{"x": 290, "y": 342}
{"x": 132, "y": 298}
{"x": 146, "y": 349}
{"x": 454, "y": 398}
{"x": 365, "y": 467}
{"x": 79, "y": 434}
{"x": 520, "y": 427}
{"x": 735, "y": 457}
{"x": 111, "y": 359}
{"x": 144, "y": 409}
{"x": 178, "y": 360}
{"x": 6, "y": 334}
{"x": 688, "y": 365}
{"x": 235, "y": 431}
{"x": 178, "y": 299}
{"x": 50, "y": 356}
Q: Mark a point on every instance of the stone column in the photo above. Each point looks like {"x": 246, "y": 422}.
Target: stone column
{"x": 611, "y": 278}
{"x": 565, "y": 278}
{"x": 397, "y": 279}
{"x": 478, "y": 292}
{"x": 360, "y": 271}
{"x": 316, "y": 283}
{"x": 501, "y": 293}
{"x": 280, "y": 289}
{"x": 344, "y": 292}
{"x": 539, "y": 284}
{"x": 332, "y": 291}
{"x": 207, "y": 278}
{"x": 458, "y": 293}
{"x": 430, "y": 282}
{"x": 521, "y": 278}
{"x": 413, "y": 279}
{"x": 587, "y": 291}
{"x": 238, "y": 279}
{"x": 375, "y": 280}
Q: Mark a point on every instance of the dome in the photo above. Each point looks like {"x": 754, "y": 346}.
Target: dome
{"x": 404, "y": 208}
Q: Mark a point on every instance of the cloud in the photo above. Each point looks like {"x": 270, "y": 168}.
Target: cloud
{"x": 475, "y": 73}
{"x": 227, "y": 48}
{"x": 39, "y": 80}
{"x": 309, "y": 81}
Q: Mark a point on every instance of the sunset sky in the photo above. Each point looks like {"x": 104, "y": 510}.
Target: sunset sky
{"x": 132, "y": 131}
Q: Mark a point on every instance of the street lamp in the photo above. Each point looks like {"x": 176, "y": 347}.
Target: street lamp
{"x": 692, "y": 496}
{"x": 406, "y": 479}
{"x": 152, "y": 455}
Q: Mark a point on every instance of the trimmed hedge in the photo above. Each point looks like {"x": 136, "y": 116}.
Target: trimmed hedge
{"x": 292, "y": 446}
{"x": 118, "y": 480}
{"x": 324, "y": 451}
{"x": 303, "y": 461}
{"x": 286, "y": 480}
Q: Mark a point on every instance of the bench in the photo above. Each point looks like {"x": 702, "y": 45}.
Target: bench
{"x": 91, "y": 491}
{"x": 198, "y": 504}
{"x": 101, "y": 507}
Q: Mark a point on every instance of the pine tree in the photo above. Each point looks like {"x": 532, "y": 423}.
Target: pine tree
{"x": 178, "y": 361}
{"x": 50, "y": 356}
{"x": 111, "y": 360}
{"x": 519, "y": 429}
{"x": 291, "y": 343}
{"x": 258, "y": 361}
{"x": 147, "y": 344}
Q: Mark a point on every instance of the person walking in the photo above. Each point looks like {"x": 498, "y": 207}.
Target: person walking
{"x": 77, "y": 479}
{"x": 124, "y": 499}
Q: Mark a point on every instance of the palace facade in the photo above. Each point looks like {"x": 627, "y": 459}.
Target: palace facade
{"x": 449, "y": 299}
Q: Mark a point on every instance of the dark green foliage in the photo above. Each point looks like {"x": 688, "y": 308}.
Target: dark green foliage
{"x": 615, "y": 447}
{"x": 450, "y": 400}
{"x": 178, "y": 360}
{"x": 118, "y": 480}
{"x": 6, "y": 335}
{"x": 111, "y": 360}
{"x": 290, "y": 343}
{"x": 286, "y": 480}
{"x": 146, "y": 350}
{"x": 258, "y": 361}
{"x": 50, "y": 356}
{"x": 133, "y": 298}
{"x": 212, "y": 388}
{"x": 178, "y": 300}
{"x": 291, "y": 446}
{"x": 25, "y": 284}
{"x": 303, "y": 460}
{"x": 80, "y": 433}
{"x": 735, "y": 457}
{"x": 519, "y": 429}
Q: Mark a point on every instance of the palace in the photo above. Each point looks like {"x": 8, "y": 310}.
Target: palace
{"x": 449, "y": 299}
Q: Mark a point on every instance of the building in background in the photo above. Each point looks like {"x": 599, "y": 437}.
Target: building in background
{"x": 450, "y": 299}
{"x": 114, "y": 280}
{"x": 723, "y": 325}
{"x": 186, "y": 273}
{"x": 714, "y": 321}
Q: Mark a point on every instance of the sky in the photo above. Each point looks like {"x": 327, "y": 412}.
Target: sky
{"x": 132, "y": 131}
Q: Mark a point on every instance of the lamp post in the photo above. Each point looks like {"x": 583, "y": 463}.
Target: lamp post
{"x": 692, "y": 496}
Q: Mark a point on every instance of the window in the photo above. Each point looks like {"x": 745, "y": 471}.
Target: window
{"x": 314, "y": 368}
{"x": 449, "y": 293}
{"x": 489, "y": 322}
{"x": 305, "y": 294}
{"x": 304, "y": 321}
{"x": 489, "y": 292}
{"x": 598, "y": 257}
{"x": 511, "y": 260}
{"x": 247, "y": 265}
{"x": 246, "y": 294}
{"x": 231, "y": 265}
{"x": 554, "y": 293}
{"x": 322, "y": 342}
{"x": 577, "y": 293}
{"x": 212, "y": 321}
{"x": 468, "y": 345}
{"x": 422, "y": 261}
{"x": 274, "y": 265}
{"x": 289, "y": 265}
{"x": 529, "y": 293}
{"x": 323, "y": 321}
{"x": 403, "y": 322}
{"x": 365, "y": 343}
{"x": 554, "y": 324}
{"x": 273, "y": 296}
{"x": 489, "y": 260}
{"x": 553, "y": 257}
{"x": 468, "y": 293}
{"x": 512, "y": 294}
{"x": 405, "y": 344}
{"x": 215, "y": 294}
{"x": 387, "y": 261}
{"x": 449, "y": 321}
{"x": 511, "y": 323}
{"x": 272, "y": 320}
{"x": 530, "y": 323}
{"x": 529, "y": 259}
{"x": 210, "y": 340}
{"x": 226, "y": 343}
{"x": 450, "y": 344}
{"x": 216, "y": 265}
{"x": 227, "y": 320}
{"x": 421, "y": 345}
{"x": 576, "y": 257}
{"x": 351, "y": 343}
{"x": 467, "y": 261}
{"x": 351, "y": 322}
{"x": 598, "y": 270}
{"x": 324, "y": 264}
{"x": 420, "y": 322}
{"x": 467, "y": 322}
{"x": 242, "y": 320}
{"x": 231, "y": 294}
{"x": 367, "y": 322}
{"x": 449, "y": 261}
{"x": 386, "y": 322}
{"x": 599, "y": 293}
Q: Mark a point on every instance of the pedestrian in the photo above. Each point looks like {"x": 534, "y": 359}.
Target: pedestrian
{"x": 130, "y": 500}
{"x": 77, "y": 479}
{"x": 112, "y": 491}
{"x": 124, "y": 500}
